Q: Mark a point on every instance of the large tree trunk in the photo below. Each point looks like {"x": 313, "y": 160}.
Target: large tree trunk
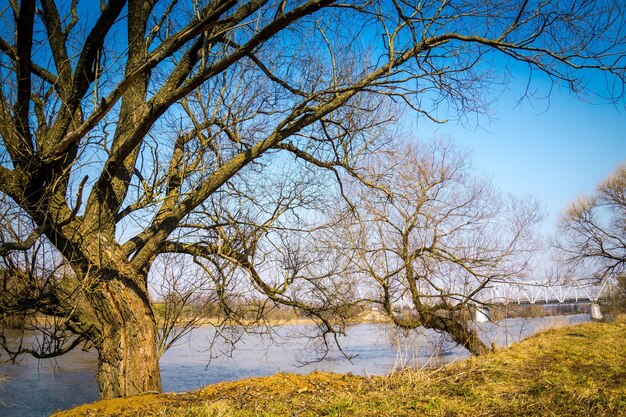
{"x": 127, "y": 357}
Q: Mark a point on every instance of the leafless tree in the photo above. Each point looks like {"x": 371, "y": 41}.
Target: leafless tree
{"x": 144, "y": 128}
{"x": 591, "y": 239}
{"x": 433, "y": 237}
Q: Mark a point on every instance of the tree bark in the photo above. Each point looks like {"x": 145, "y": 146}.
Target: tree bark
{"x": 127, "y": 356}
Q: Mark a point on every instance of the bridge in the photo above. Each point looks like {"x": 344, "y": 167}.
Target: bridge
{"x": 551, "y": 294}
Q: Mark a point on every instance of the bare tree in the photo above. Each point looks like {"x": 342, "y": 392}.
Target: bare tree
{"x": 143, "y": 128}
{"x": 592, "y": 231}
{"x": 433, "y": 237}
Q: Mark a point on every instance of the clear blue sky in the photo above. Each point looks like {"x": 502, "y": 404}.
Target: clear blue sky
{"x": 555, "y": 149}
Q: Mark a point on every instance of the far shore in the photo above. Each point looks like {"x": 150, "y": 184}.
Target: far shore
{"x": 366, "y": 317}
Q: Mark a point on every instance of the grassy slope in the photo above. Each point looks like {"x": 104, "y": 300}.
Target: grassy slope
{"x": 571, "y": 371}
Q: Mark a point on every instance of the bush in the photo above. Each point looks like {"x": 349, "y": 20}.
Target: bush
{"x": 616, "y": 302}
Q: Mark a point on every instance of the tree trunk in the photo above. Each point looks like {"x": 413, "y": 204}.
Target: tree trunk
{"x": 127, "y": 357}
{"x": 468, "y": 338}
{"x": 460, "y": 332}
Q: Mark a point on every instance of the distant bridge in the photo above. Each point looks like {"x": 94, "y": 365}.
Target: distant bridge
{"x": 549, "y": 293}
{"x": 559, "y": 295}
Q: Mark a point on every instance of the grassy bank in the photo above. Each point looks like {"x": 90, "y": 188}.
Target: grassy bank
{"x": 571, "y": 371}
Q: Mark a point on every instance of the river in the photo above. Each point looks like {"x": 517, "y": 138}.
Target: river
{"x": 38, "y": 388}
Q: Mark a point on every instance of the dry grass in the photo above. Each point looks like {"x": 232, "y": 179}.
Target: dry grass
{"x": 570, "y": 371}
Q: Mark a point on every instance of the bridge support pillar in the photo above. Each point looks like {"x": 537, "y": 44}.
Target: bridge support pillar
{"x": 595, "y": 312}
{"x": 481, "y": 314}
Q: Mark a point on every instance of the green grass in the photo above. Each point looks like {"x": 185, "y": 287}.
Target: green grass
{"x": 571, "y": 371}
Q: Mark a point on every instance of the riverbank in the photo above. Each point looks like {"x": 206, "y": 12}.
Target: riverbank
{"x": 570, "y": 371}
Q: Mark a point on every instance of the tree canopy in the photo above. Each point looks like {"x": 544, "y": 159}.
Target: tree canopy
{"x": 592, "y": 231}
{"x": 438, "y": 234}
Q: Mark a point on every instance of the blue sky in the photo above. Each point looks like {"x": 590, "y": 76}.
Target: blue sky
{"x": 555, "y": 148}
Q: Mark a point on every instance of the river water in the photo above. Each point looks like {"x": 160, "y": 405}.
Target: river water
{"x": 38, "y": 388}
